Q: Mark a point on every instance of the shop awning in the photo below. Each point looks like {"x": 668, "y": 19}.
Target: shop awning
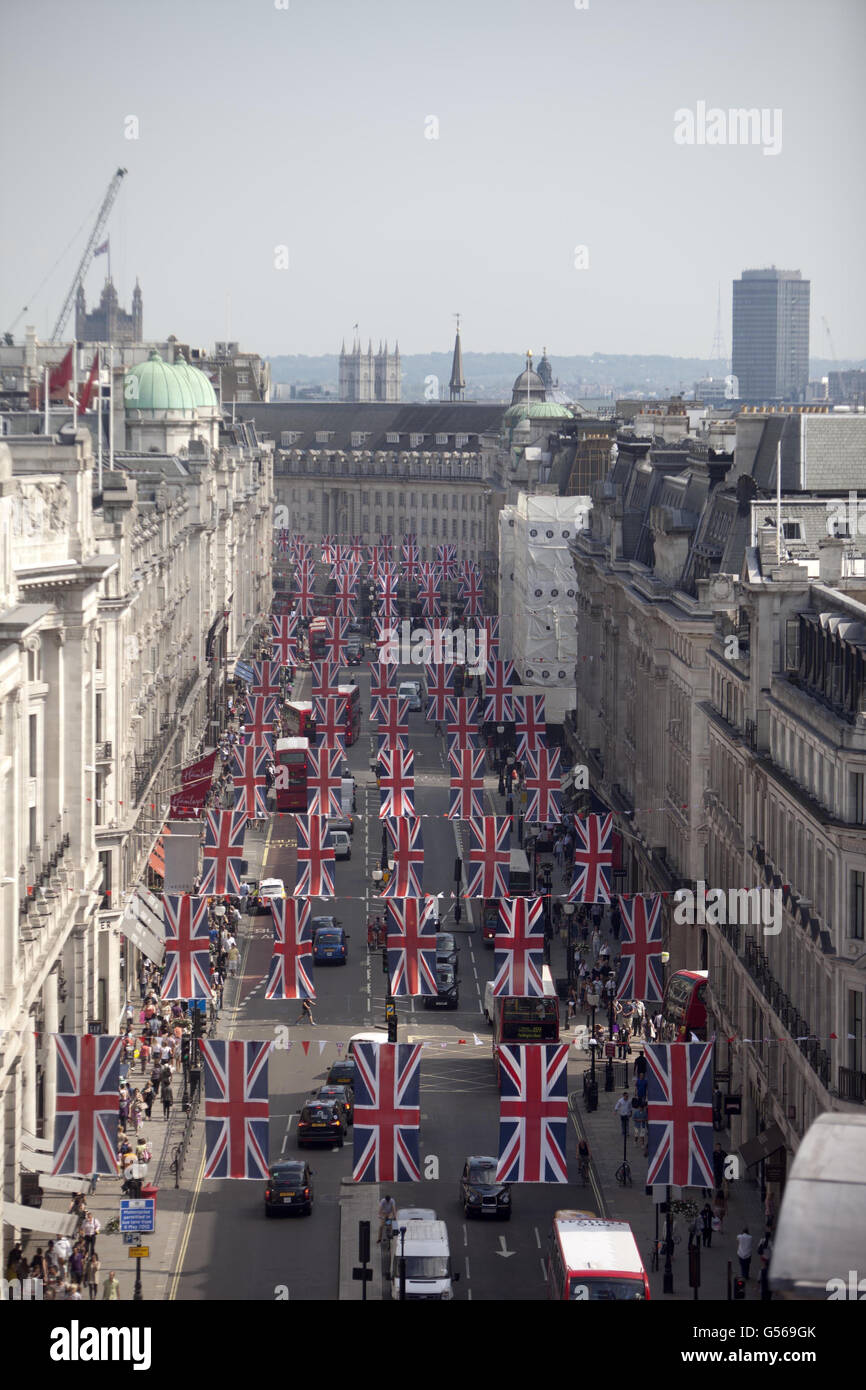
{"x": 762, "y": 1145}
{"x": 40, "y": 1146}
{"x": 36, "y": 1163}
{"x": 143, "y": 924}
{"x": 61, "y": 1184}
{"x": 53, "y": 1223}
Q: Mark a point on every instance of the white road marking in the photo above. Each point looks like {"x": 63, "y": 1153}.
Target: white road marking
{"x": 467, "y": 1266}
{"x": 465, "y": 1236}
{"x": 537, "y": 1237}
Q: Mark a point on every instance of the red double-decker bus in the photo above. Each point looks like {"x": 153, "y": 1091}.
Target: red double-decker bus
{"x": 291, "y": 779}
{"x": 351, "y": 694}
{"x": 685, "y": 1004}
{"x": 318, "y": 633}
{"x": 297, "y": 719}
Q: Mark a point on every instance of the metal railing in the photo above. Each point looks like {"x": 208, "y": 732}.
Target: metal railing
{"x": 852, "y": 1084}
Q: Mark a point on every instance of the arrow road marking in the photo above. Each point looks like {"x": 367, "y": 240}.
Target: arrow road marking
{"x": 504, "y": 1251}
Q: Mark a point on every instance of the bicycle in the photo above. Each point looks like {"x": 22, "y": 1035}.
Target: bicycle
{"x": 623, "y": 1174}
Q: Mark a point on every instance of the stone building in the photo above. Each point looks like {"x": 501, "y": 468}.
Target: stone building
{"x": 369, "y": 376}
{"x": 108, "y": 323}
{"x": 121, "y": 615}
{"x": 744, "y": 768}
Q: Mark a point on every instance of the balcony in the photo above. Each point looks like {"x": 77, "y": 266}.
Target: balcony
{"x": 852, "y": 1085}
{"x": 103, "y": 752}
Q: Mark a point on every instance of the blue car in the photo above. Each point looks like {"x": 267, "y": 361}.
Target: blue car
{"x": 330, "y": 946}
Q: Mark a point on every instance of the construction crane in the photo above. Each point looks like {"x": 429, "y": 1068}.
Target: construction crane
{"x": 98, "y": 228}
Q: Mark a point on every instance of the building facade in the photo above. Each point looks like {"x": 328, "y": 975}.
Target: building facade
{"x": 744, "y": 769}
{"x": 121, "y": 614}
{"x": 369, "y": 376}
{"x": 770, "y": 354}
{"x": 108, "y": 323}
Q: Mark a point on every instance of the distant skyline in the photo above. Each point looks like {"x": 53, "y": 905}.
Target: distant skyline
{"x": 298, "y": 125}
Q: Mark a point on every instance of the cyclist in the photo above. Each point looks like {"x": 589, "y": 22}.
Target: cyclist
{"x": 387, "y": 1213}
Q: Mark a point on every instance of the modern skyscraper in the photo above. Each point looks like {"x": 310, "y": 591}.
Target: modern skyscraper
{"x": 770, "y": 357}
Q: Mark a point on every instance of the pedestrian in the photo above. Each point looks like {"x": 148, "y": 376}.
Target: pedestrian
{"x": 90, "y": 1230}
{"x": 765, "y": 1253}
{"x": 571, "y": 1006}
{"x": 306, "y": 1012}
{"x": 167, "y": 1100}
{"x": 744, "y": 1251}
{"x": 719, "y": 1160}
{"x": 63, "y": 1250}
{"x": 234, "y": 956}
{"x": 148, "y": 1095}
{"x": 707, "y": 1225}
{"x": 623, "y": 1109}
{"x": 624, "y": 1044}
{"x": 640, "y": 1087}
{"x": 638, "y": 1110}
{"x": 111, "y": 1287}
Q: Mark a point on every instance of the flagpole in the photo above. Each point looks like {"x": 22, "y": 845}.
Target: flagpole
{"x": 74, "y": 385}
{"x": 99, "y": 414}
{"x": 47, "y": 401}
{"x": 110, "y": 408}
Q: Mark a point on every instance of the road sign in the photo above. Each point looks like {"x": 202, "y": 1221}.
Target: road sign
{"x": 139, "y": 1252}
{"x": 130, "y": 1237}
{"x": 136, "y": 1214}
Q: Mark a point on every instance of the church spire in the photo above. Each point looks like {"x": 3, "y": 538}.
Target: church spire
{"x": 457, "y": 384}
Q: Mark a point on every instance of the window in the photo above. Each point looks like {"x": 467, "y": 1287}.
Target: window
{"x": 243, "y": 378}
{"x": 34, "y": 828}
{"x": 441, "y": 439}
{"x": 98, "y": 649}
{"x": 33, "y": 726}
{"x": 311, "y": 496}
{"x": 105, "y": 885}
{"x": 244, "y": 396}
{"x": 378, "y": 499}
{"x": 359, "y": 438}
{"x": 434, "y": 527}
{"x": 322, "y": 436}
{"x": 858, "y": 883}
{"x": 791, "y": 531}
{"x": 434, "y": 501}
{"x": 392, "y": 437}
{"x": 97, "y": 718}
{"x": 464, "y": 503}
{"x": 424, "y": 500}
{"x": 855, "y": 1029}
{"x": 460, "y": 441}
{"x": 415, "y": 441}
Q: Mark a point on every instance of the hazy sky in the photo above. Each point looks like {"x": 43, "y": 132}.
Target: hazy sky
{"x": 305, "y": 127}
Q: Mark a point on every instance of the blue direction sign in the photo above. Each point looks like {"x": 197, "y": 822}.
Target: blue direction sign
{"x": 136, "y": 1214}
{"x": 130, "y": 1237}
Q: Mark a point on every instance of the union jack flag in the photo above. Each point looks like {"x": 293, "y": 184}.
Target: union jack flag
{"x": 383, "y": 681}
{"x": 335, "y": 637}
{"x": 187, "y": 947}
{"x": 533, "y": 1113}
{"x": 300, "y": 548}
{"x": 640, "y": 971}
{"x": 530, "y": 726}
{"x": 593, "y": 859}
{"x": 446, "y": 556}
{"x": 388, "y": 586}
{"x": 290, "y": 974}
{"x": 462, "y": 715}
{"x": 467, "y": 784}
{"x": 323, "y": 781}
{"x": 489, "y": 857}
{"x": 259, "y": 721}
{"x": 347, "y": 593}
{"x": 328, "y": 549}
{"x": 223, "y": 851}
{"x": 440, "y": 689}
{"x": 385, "y": 742}
{"x": 407, "y": 845}
{"x": 472, "y": 591}
{"x": 498, "y": 693}
{"x": 266, "y": 679}
{"x": 249, "y": 769}
{"x": 519, "y": 947}
{"x": 394, "y": 720}
{"x": 411, "y": 942}
{"x": 375, "y": 559}
{"x": 304, "y": 581}
{"x": 356, "y": 549}
{"x": 315, "y": 871}
{"x": 284, "y": 637}
{"x": 543, "y": 787}
{"x": 330, "y": 718}
{"x": 386, "y": 542}
{"x": 325, "y": 676}
{"x": 387, "y": 1112}
{"x": 236, "y": 1112}
{"x": 680, "y": 1114}
{"x": 85, "y": 1124}
{"x": 429, "y": 590}
{"x": 490, "y": 628}
{"x": 396, "y": 783}
{"x": 409, "y": 554}
{"x": 282, "y": 540}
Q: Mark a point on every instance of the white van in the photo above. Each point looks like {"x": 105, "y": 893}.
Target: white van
{"x": 347, "y": 795}
{"x": 428, "y": 1261}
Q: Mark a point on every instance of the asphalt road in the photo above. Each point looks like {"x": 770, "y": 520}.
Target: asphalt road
{"x": 234, "y": 1251}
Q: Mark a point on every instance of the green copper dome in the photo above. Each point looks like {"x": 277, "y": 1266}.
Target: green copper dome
{"x": 202, "y": 390}
{"x": 536, "y": 410}
{"x": 157, "y": 386}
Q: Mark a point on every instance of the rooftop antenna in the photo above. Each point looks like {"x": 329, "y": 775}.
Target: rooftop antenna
{"x": 528, "y": 370}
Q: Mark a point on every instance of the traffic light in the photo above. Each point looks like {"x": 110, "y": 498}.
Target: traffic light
{"x": 458, "y": 869}
{"x": 391, "y": 1021}
{"x": 739, "y": 1288}
{"x": 184, "y": 1049}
